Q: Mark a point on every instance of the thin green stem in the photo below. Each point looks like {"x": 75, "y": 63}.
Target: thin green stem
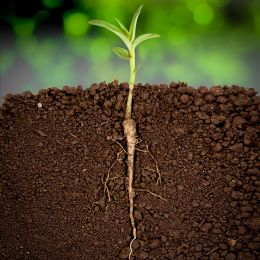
{"x": 128, "y": 111}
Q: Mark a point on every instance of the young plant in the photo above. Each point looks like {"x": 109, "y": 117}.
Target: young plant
{"x": 131, "y": 42}
{"x": 129, "y": 125}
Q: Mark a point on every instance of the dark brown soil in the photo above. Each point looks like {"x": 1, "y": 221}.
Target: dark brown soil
{"x": 57, "y": 147}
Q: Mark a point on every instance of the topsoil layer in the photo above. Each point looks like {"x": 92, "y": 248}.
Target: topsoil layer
{"x": 57, "y": 148}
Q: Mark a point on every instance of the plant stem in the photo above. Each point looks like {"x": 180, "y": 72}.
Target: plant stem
{"x": 131, "y": 85}
{"x": 129, "y": 126}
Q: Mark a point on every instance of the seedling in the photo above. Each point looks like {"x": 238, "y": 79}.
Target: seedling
{"x": 129, "y": 125}
{"x": 128, "y": 37}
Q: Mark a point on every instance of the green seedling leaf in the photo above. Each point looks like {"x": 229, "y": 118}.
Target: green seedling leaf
{"x": 144, "y": 37}
{"x": 132, "y": 28}
{"x": 126, "y": 33}
{"x": 113, "y": 29}
{"x": 121, "y": 53}
{"x": 105, "y": 24}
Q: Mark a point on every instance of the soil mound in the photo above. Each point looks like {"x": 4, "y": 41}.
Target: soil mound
{"x": 57, "y": 147}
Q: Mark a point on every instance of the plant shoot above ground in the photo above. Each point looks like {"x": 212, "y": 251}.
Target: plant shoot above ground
{"x": 131, "y": 42}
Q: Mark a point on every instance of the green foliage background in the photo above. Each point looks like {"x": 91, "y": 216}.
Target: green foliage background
{"x": 203, "y": 42}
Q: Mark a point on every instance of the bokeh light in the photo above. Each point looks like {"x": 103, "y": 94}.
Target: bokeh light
{"x": 52, "y": 3}
{"x": 23, "y": 27}
{"x": 75, "y": 23}
{"x": 181, "y": 15}
{"x": 6, "y": 61}
{"x": 257, "y": 23}
{"x": 50, "y": 43}
{"x": 203, "y": 14}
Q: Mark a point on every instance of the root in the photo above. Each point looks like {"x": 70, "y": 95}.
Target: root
{"x": 154, "y": 194}
{"x": 131, "y": 249}
{"x": 108, "y": 179}
{"x": 119, "y": 145}
{"x": 129, "y": 126}
{"x": 130, "y": 134}
{"x": 159, "y": 179}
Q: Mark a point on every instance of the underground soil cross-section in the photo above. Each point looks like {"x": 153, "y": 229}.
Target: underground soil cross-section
{"x": 196, "y": 173}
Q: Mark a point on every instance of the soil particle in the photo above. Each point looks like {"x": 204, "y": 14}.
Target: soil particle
{"x": 184, "y": 99}
{"x": 209, "y": 98}
{"x": 124, "y": 253}
{"x": 135, "y": 244}
{"x": 238, "y": 122}
{"x": 155, "y": 243}
{"x": 203, "y": 90}
{"x": 218, "y": 147}
{"x": 202, "y": 115}
{"x": 206, "y": 227}
{"x": 217, "y": 119}
{"x": 198, "y": 247}
{"x": 246, "y": 256}
{"x": 242, "y": 100}
{"x": 236, "y": 195}
{"x": 57, "y": 147}
{"x": 143, "y": 255}
{"x": 230, "y": 256}
{"x": 254, "y": 171}
{"x": 232, "y": 242}
{"x": 254, "y": 224}
{"x": 221, "y": 99}
{"x": 217, "y": 91}
{"x": 250, "y": 135}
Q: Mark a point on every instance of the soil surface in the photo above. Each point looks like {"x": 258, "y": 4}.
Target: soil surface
{"x": 57, "y": 149}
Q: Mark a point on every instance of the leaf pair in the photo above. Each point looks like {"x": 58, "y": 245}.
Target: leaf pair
{"x": 127, "y": 36}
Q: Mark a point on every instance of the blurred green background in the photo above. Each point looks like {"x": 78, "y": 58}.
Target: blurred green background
{"x": 49, "y": 43}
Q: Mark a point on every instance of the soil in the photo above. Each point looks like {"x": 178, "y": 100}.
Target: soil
{"x": 58, "y": 147}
